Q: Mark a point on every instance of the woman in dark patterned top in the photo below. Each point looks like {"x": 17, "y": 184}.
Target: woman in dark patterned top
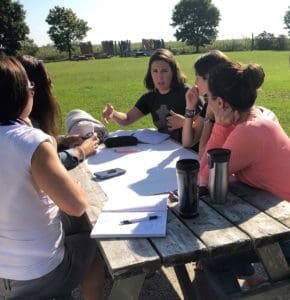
{"x": 165, "y": 99}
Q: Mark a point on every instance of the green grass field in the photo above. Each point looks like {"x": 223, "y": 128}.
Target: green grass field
{"x": 89, "y": 85}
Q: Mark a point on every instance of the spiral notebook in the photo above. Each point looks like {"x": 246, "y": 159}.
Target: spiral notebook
{"x": 142, "y": 217}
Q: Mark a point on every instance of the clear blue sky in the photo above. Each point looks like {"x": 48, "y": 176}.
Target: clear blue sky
{"x": 137, "y": 19}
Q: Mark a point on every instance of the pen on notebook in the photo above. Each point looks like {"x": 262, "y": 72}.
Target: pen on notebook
{"x": 138, "y": 220}
{"x": 173, "y": 193}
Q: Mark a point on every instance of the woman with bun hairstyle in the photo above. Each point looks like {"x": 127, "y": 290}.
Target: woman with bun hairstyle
{"x": 260, "y": 148}
{"x": 260, "y": 155}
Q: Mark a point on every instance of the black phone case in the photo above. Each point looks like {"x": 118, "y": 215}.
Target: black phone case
{"x": 109, "y": 173}
{"x": 121, "y": 141}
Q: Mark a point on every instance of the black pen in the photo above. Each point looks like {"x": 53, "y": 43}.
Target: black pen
{"x": 138, "y": 220}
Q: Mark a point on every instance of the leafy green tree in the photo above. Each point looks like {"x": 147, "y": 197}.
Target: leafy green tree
{"x": 196, "y": 22}
{"x": 28, "y": 47}
{"x": 65, "y": 28}
{"x": 13, "y": 28}
{"x": 287, "y": 20}
{"x": 281, "y": 43}
{"x": 265, "y": 41}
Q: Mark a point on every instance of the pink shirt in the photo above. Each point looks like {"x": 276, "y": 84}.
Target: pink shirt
{"x": 260, "y": 154}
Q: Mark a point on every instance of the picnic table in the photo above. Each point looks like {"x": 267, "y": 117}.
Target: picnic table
{"x": 251, "y": 219}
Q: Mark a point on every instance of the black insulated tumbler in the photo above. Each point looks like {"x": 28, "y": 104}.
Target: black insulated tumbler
{"x": 187, "y": 177}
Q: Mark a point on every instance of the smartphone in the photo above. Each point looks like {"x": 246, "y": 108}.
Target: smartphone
{"x": 109, "y": 173}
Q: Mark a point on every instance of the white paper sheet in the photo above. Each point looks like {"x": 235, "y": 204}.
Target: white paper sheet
{"x": 150, "y": 175}
{"x": 149, "y": 171}
{"x": 147, "y": 203}
{"x": 109, "y": 225}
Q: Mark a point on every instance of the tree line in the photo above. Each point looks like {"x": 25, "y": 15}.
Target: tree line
{"x": 195, "y": 22}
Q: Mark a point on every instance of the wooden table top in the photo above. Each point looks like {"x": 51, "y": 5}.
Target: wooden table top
{"x": 251, "y": 218}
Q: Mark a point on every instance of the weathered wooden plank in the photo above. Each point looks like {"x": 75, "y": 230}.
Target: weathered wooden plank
{"x": 96, "y": 196}
{"x": 262, "y": 228}
{"x": 274, "y": 261}
{"x": 272, "y": 205}
{"x": 125, "y": 258}
{"x": 127, "y": 289}
{"x": 186, "y": 286}
{"x": 180, "y": 245}
{"x": 217, "y": 233}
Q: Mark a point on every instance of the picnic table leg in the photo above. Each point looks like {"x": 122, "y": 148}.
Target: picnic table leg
{"x": 184, "y": 282}
{"x": 128, "y": 288}
{"x": 274, "y": 261}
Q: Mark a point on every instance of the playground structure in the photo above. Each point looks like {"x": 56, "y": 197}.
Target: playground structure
{"x": 87, "y": 53}
{"x": 147, "y": 48}
{"x": 150, "y": 45}
{"x": 121, "y": 48}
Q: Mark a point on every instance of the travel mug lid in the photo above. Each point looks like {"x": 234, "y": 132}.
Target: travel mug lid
{"x": 219, "y": 155}
{"x": 187, "y": 164}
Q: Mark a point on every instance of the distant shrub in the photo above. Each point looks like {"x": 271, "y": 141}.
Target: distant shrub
{"x": 282, "y": 43}
{"x": 49, "y": 53}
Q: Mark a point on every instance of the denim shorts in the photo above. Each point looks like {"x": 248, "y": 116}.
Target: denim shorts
{"x": 80, "y": 251}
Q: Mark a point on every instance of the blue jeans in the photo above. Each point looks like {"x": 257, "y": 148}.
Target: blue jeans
{"x": 80, "y": 251}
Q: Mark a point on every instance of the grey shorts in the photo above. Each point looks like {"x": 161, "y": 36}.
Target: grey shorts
{"x": 80, "y": 251}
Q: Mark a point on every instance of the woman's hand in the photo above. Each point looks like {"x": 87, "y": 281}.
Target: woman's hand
{"x": 191, "y": 97}
{"x": 174, "y": 121}
{"x": 108, "y": 113}
{"x": 209, "y": 113}
{"x": 90, "y": 145}
{"x": 226, "y": 116}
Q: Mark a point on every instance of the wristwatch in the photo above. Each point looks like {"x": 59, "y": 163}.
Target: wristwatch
{"x": 189, "y": 113}
{"x": 208, "y": 120}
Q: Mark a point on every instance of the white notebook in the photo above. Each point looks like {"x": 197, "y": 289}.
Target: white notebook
{"x": 132, "y": 218}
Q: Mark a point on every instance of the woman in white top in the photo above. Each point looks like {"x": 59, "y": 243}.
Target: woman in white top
{"x": 39, "y": 257}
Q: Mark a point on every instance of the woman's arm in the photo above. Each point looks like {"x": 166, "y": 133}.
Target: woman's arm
{"x": 70, "y": 158}
{"x": 191, "y": 131}
{"x": 51, "y": 176}
{"x": 209, "y": 121}
{"x": 123, "y": 119}
{"x": 192, "y": 125}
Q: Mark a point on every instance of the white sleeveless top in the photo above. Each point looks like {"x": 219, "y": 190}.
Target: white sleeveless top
{"x": 31, "y": 236}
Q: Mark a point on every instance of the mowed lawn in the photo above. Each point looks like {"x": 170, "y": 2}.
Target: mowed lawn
{"x": 89, "y": 85}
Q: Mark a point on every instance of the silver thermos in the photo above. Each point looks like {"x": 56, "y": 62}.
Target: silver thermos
{"x": 218, "y": 181}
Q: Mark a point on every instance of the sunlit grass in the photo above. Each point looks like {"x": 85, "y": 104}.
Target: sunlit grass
{"x": 89, "y": 85}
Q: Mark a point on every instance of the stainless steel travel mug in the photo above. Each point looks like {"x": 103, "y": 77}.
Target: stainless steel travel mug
{"x": 187, "y": 177}
{"x": 218, "y": 181}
